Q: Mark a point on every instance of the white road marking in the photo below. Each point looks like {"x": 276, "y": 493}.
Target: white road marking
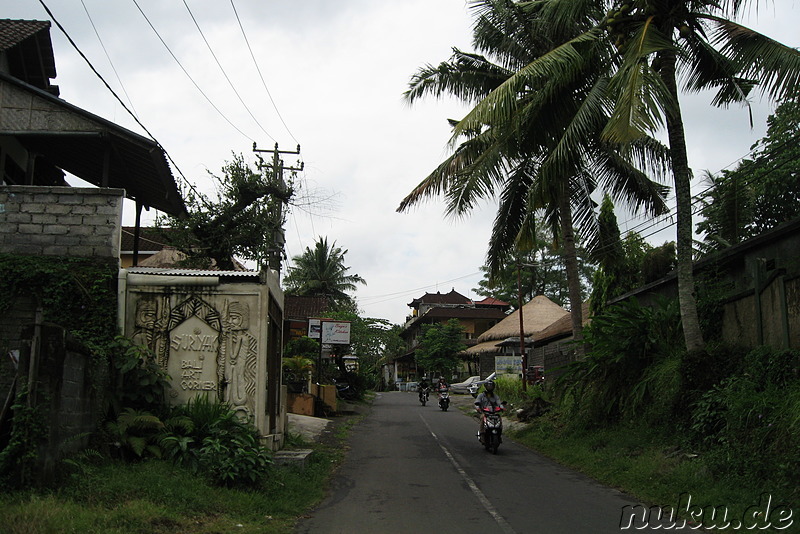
{"x": 502, "y": 523}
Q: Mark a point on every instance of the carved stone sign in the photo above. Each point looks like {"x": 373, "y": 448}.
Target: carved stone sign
{"x": 192, "y": 361}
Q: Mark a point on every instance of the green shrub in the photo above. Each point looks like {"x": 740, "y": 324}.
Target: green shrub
{"x": 749, "y": 423}
{"x": 631, "y": 362}
{"x": 208, "y": 438}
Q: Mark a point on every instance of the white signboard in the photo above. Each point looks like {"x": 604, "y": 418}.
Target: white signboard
{"x": 507, "y": 364}
{"x": 336, "y": 332}
{"x": 314, "y": 328}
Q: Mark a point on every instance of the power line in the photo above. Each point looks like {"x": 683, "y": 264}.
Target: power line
{"x": 100, "y": 77}
{"x": 188, "y": 75}
{"x": 264, "y": 83}
{"x": 223, "y": 70}
{"x": 103, "y": 46}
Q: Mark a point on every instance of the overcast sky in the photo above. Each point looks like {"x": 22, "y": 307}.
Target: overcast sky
{"x": 333, "y": 76}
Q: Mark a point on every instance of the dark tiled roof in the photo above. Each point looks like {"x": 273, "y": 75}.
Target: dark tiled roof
{"x": 453, "y": 297}
{"x": 29, "y": 52}
{"x": 297, "y": 307}
{"x": 465, "y": 313}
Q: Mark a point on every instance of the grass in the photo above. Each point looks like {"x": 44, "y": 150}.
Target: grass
{"x": 154, "y": 497}
{"x": 649, "y": 465}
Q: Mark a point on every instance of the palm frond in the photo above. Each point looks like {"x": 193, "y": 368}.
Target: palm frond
{"x": 775, "y": 66}
{"x": 501, "y": 104}
{"x": 466, "y": 76}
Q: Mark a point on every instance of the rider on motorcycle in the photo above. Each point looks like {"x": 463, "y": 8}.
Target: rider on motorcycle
{"x": 487, "y": 398}
{"x": 442, "y": 385}
{"x": 422, "y": 386}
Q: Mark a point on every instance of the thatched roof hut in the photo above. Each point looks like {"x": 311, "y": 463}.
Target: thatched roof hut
{"x": 537, "y": 314}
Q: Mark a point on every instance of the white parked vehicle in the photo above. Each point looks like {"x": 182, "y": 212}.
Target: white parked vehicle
{"x": 475, "y": 386}
{"x": 463, "y": 387}
{"x": 471, "y": 385}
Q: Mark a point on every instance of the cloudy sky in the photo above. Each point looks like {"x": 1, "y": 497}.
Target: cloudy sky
{"x": 328, "y": 75}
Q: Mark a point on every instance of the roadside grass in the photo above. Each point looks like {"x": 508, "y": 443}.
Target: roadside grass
{"x": 649, "y": 464}
{"x": 156, "y": 497}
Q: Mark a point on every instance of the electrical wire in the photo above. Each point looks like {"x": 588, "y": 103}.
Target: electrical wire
{"x": 103, "y": 46}
{"x": 100, "y": 77}
{"x": 189, "y": 75}
{"x": 225, "y": 74}
{"x": 264, "y": 83}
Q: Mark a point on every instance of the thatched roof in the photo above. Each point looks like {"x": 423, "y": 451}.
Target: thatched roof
{"x": 488, "y": 347}
{"x": 562, "y": 327}
{"x": 537, "y": 315}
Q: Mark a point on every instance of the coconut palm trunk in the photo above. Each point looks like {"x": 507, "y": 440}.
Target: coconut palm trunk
{"x": 692, "y": 334}
{"x": 573, "y": 274}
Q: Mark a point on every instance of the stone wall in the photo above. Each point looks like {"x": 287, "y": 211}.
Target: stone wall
{"x": 60, "y": 221}
{"x": 61, "y": 392}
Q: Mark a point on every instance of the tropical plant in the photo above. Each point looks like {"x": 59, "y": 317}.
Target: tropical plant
{"x": 321, "y": 272}
{"x": 439, "y": 347}
{"x": 245, "y": 220}
{"x": 209, "y": 438}
{"x": 763, "y": 190}
{"x": 532, "y": 140}
{"x": 748, "y": 423}
{"x": 296, "y": 372}
{"x": 139, "y": 382}
{"x": 633, "y": 358}
{"x": 134, "y": 434}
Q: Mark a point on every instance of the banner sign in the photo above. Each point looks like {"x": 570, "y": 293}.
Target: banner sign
{"x": 336, "y": 332}
{"x": 507, "y": 364}
{"x": 314, "y": 328}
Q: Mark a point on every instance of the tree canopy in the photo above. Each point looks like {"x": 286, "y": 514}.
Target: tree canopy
{"x": 321, "y": 272}
{"x": 244, "y": 221}
{"x": 439, "y": 347}
{"x": 763, "y": 190}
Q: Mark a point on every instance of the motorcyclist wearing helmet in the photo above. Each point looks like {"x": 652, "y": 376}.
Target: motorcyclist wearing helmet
{"x": 422, "y": 386}
{"x": 487, "y": 398}
{"x": 442, "y": 385}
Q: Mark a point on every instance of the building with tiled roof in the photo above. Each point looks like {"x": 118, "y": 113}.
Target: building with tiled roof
{"x": 438, "y": 308}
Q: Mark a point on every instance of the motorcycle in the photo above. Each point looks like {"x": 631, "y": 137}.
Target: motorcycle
{"x": 423, "y": 395}
{"x": 492, "y": 427}
{"x": 444, "y": 399}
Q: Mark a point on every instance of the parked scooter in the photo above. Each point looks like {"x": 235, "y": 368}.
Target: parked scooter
{"x": 491, "y": 429}
{"x": 424, "y": 392}
{"x": 444, "y": 399}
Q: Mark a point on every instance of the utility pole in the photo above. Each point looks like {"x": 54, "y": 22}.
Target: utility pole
{"x": 276, "y": 253}
{"x": 522, "y": 352}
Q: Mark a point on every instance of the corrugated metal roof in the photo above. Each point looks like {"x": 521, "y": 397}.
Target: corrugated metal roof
{"x": 164, "y": 271}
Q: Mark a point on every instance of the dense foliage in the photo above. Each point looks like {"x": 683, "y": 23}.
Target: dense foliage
{"x": 763, "y": 190}
{"x": 439, "y": 347}
{"x": 245, "y": 219}
{"x": 735, "y": 408}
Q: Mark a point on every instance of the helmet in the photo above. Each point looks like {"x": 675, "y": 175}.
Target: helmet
{"x": 489, "y": 385}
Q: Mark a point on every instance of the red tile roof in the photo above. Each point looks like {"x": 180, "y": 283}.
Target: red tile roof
{"x": 298, "y": 307}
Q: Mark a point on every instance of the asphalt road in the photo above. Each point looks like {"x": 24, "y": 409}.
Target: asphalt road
{"x": 415, "y": 469}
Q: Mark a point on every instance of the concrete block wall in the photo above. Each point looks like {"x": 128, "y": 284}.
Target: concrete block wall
{"x": 60, "y": 221}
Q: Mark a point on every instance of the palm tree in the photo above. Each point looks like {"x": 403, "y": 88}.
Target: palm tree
{"x": 538, "y": 151}
{"x": 655, "y": 41}
{"x": 321, "y": 272}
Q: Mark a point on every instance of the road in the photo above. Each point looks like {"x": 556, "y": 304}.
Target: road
{"x": 415, "y": 469}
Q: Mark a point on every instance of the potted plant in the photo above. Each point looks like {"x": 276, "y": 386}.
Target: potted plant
{"x": 296, "y": 373}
